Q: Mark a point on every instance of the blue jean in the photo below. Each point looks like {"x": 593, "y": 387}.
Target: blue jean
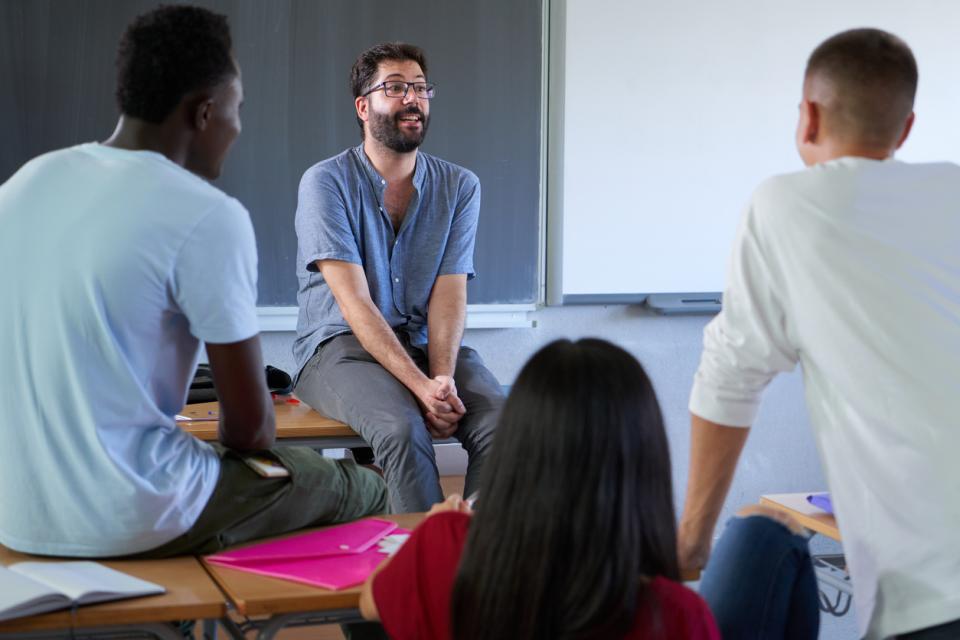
{"x": 760, "y": 582}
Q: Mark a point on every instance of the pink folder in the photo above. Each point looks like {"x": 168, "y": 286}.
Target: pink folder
{"x": 353, "y": 538}
{"x": 333, "y": 558}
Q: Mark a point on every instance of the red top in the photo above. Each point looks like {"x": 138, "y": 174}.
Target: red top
{"x": 413, "y": 591}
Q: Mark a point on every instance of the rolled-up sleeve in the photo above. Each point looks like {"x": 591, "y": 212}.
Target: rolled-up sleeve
{"x": 322, "y": 225}
{"x": 458, "y": 254}
{"x": 747, "y": 344}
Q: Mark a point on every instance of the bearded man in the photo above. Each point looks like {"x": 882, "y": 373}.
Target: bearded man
{"x": 385, "y": 248}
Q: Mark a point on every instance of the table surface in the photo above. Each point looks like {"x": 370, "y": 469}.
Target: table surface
{"x": 293, "y": 421}
{"x": 254, "y": 595}
{"x": 813, "y": 518}
{"x": 191, "y": 594}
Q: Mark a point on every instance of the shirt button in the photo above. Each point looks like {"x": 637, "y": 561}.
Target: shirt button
{"x": 396, "y": 279}
{"x": 381, "y": 209}
{"x": 383, "y": 182}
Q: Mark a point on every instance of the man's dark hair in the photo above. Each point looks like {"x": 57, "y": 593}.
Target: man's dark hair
{"x": 365, "y": 68}
{"x": 167, "y": 53}
{"x": 872, "y": 78}
{"x": 575, "y": 503}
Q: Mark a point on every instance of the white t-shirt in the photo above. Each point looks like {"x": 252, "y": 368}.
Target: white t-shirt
{"x": 852, "y": 268}
{"x": 113, "y": 265}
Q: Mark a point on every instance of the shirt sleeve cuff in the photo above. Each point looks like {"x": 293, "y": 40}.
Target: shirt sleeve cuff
{"x": 343, "y": 256}
{"x": 723, "y": 408}
{"x": 241, "y": 330}
{"x": 465, "y": 268}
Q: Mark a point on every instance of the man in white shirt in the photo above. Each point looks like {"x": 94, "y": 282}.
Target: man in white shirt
{"x": 851, "y": 268}
{"x": 116, "y": 260}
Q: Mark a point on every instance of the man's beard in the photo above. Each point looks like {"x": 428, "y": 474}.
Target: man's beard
{"x": 386, "y": 130}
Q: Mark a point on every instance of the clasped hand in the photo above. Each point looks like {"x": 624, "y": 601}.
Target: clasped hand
{"x": 442, "y": 407}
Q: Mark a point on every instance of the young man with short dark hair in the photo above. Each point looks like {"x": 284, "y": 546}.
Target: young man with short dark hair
{"x": 116, "y": 260}
{"x": 850, "y": 268}
{"x": 386, "y": 237}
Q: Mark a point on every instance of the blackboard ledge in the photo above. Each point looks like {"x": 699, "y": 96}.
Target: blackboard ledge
{"x": 479, "y": 316}
{"x": 668, "y": 304}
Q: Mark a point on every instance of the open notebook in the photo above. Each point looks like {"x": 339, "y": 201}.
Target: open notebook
{"x": 28, "y": 588}
{"x": 333, "y": 558}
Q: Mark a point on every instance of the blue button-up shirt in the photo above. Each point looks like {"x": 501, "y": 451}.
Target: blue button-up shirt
{"x": 341, "y": 216}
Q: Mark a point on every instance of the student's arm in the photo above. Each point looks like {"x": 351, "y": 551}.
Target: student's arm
{"x": 368, "y": 606}
{"x": 246, "y": 411}
{"x": 714, "y": 451}
{"x": 744, "y": 347}
{"x": 349, "y": 286}
{"x": 446, "y": 313}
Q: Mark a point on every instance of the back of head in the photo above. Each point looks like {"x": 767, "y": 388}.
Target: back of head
{"x": 576, "y": 503}
{"x": 168, "y": 53}
{"x": 865, "y": 80}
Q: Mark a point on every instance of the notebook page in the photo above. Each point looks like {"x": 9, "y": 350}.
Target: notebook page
{"x": 85, "y": 582}
{"x": 21, "y": 596}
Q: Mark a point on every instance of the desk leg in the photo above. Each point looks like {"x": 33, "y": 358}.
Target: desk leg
{"x": 232, "y": 629}
{"x": 209, "y": 630}
{"x": 831, "y": 575}
{"x": 270, "y": 628}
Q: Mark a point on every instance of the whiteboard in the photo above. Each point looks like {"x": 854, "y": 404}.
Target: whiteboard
{"x": 666, "y": 115}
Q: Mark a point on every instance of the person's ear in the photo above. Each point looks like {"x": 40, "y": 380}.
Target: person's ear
{"x": 363, "y": 107}
{"x": 810, "y": 122}
{"x": 202, "y": 112}
{"x": 906, "y": 130}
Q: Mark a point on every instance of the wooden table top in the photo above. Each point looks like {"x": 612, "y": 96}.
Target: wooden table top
{"x": 293, "y": 421}
{"x": 255, "y": 595}
{"x": 191, "y": 594}
{"x": 813, "y": 518}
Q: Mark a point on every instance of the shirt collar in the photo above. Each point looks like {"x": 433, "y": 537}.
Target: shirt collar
{"x": 419, "y": 171}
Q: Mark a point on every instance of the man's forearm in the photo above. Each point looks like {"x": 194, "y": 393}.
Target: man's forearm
{"x": 446, "y": 315}
{"x": 379, "y": 340}
{"x": 445, "y": 329}
{"x": 714, "y": 451}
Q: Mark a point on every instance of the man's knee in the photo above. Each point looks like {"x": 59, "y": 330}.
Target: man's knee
{"x": 397, "y": 431}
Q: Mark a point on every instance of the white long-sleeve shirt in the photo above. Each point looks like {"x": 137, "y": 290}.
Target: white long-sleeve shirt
{"x": 852, "y": 268}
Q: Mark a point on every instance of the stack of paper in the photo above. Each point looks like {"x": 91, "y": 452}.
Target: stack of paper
{"x": 333, "y": 558}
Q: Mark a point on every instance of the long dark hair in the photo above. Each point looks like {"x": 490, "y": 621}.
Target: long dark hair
{"x": 576, "y": 503}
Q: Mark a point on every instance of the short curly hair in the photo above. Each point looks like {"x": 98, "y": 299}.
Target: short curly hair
{"x": 167, "y": 53}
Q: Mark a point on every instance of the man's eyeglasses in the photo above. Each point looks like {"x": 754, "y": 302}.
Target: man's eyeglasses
{"x": 399, "y": 89}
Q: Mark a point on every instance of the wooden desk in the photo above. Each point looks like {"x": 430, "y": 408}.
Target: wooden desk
{"x": 191, "y": 595}
{"x": 296, "y": 424}
{"x": 813, "y": 518}
{"x": 288, "y": 602}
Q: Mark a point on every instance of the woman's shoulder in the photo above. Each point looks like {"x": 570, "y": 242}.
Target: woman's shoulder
{"x": 450, "y": 525}
{"x": 682, "y": 613}
{"x": 438, "y": 541}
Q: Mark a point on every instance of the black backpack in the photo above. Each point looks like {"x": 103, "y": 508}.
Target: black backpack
{"x": 202, "y": 389}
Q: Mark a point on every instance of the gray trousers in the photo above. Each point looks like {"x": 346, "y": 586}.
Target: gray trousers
{"x": 346, "y": 383}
